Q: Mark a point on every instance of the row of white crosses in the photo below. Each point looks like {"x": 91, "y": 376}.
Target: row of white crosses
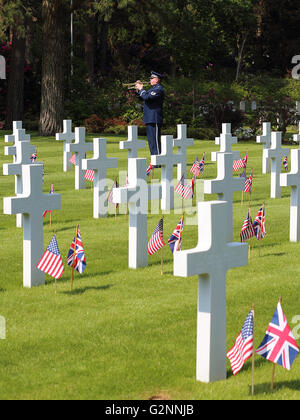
{"x": 100, "y": 163}
{"x": 30, "y": 203}
{"x": 213, "y": 256}
{"x": 272, "y": 157}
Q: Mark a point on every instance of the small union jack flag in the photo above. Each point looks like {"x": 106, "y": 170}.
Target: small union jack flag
{"x": 259, "y": 224}
{"x": 76, "y": 257}
{"x": 175, "y": 239}
{"x": 285, "y": 163}
{"x": 202, "y": 163}
{"x": 279, "y": 345}
{"x": 149, "y": 169}
{"x": 33, "y": 157}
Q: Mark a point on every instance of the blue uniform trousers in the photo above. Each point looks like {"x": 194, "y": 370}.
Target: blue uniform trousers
{"x": 154, "y": 141}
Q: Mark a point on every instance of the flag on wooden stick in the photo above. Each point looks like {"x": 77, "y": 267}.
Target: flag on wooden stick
{"x": 89, "y": 175}
{"x": 247, "y": 230}
{"x": 248, "y": 183}
{"x": 241, "y": 163}
{"x": 259, "y": 223}
{"x": 175, "y": 239}
{"x": 195, "y": 169}
{"x": 279, "y": 345}
{"x": 156, "y": 242}
{"x": 243, "y": 347}
{"x": 76, "y": 258}
{"x": 51, "y": 262}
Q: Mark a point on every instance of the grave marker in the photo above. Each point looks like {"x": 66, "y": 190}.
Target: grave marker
{"x": 79, "y": 147}
{"x": 137, "y": 195}
{"x": 210, "y": 261}
{"x": 182, "y": 142}
{"x": 133, "y": 144}
{"x": 275, "y": 153}
{"x": 225, "y": 141}
{"x": 292, "y": 180}
{"x": 67, "y": 136}
{"x": 225, "y": 185}
{"x": 32, "y": 203}
{"x": 100, "y": 163}
{"x": 167, "y": 159}
{"x": 265, "y": 140}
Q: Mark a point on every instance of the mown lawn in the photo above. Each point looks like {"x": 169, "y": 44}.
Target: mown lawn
{"x": 131, "y": 334}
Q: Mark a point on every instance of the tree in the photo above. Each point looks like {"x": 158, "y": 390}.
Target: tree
{"x": 54, "y": 14}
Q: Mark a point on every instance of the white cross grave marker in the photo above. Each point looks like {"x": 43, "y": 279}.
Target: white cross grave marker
{"x": 265, "y": 139}
{"x": 182, "y": 142}
{"x": 210, "y": 260}
{"x": 296, "y": 137}
{"x": 292, "y": 180}
{"x": 79, "y": 147}
{"x": 100, "y": 163}
{"x": 32, "y": 203}
{"x": 167, "y": 159}
{"x": 136, "y": 195}
{"x": 2, "y": 67}
{"x": 132, "y": 144}
{"x": 23, "y": 151}
{"x": 225, "y": 185}
{"x": 225, "y": 141}
{"x": 18, "y": 135}
{"x": 275, "y": 153}
{"x": 67, "y": 136}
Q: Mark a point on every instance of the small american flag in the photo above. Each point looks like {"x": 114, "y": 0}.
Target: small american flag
{"x": 76, "y": 257}
{"x": 248, "y": 183}
{"x": 156, "y": 241}
{"x": 247, "y": 231}
{"x": 241, "y": 163}
{"x": 110, "y": 194}
{"x": 279, "y": 345}
{"x": 195, "y": 169}
{"x": 243, "y": 347}
{"x": 185, "y": 191}
{"x": 72, "y": 159}
{"x": 175, "y": 239}
{"x": 259, "y": 224}
{"x": 89, "y": 175}
{"x": 51, "y": 262}
{"x": 285, "y": 163}
{"x": 50, "y": 211}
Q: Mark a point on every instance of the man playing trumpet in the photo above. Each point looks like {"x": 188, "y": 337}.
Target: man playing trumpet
{"x": 153, "y": 110}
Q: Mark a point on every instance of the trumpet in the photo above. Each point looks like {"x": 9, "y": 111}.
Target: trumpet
{"x": 132, "y": 85}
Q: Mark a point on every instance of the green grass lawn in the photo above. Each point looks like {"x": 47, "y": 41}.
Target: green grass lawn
{"x": 131, "y": 334}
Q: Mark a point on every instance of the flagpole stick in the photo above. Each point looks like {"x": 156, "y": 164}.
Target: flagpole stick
{"x": 180, "y": 233}
{"x": 162, "y": 258}
{"x": 253, "y": 353}
{"x": 50, "y": 219}
{"x": 72, "y": 276}
{"x": 273, "y": 376}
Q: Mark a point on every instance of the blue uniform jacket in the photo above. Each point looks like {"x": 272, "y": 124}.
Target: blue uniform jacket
{"x": 153, "y": 98}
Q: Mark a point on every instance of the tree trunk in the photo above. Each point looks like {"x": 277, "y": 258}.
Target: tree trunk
{"x": 89, "y": 48}
{"x": 15, "y": 93}
{"x": 240, "y": 57}
{"x": 52, "y": 95}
